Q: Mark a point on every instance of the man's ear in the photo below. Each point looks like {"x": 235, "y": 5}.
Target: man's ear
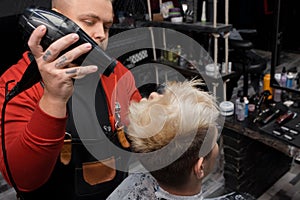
{"x": 198, "y": 168}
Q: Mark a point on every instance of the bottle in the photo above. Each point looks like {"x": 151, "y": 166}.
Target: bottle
{"x": 289, "y": 80}
{"x": 277, "y": 92}
{"x": 240, "y": 109}
{"x": 223, "y": 69}
{"x": 266, "y": 85}
{"x": 283, "y": 77}
{"x": 229, "y": 67}
{"x": 177, "y": 54}
{"x": 246, "y": 106}
{"x": 277, "y": 95}
{"x": 170, "y": 55}
{"x": 182, "y": 58}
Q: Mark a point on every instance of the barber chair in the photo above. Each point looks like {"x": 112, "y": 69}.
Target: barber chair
{"x": 245, "y": 61}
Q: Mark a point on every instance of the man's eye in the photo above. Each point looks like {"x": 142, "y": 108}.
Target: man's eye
{"x": 89, "y": 23}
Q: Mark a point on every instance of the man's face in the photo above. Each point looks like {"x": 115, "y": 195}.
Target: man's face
{"x": 95, "y": 17}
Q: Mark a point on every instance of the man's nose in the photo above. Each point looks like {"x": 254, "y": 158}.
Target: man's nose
{"x": 99, "y": 33}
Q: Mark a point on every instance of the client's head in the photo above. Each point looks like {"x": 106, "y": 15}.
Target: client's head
{"x": 175, "y": 132}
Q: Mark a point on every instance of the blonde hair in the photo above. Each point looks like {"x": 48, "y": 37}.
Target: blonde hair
{"x": 178, "y": 122}
{"x": 182, "y": 109}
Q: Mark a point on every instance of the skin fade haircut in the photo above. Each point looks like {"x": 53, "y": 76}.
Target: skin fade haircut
{"x": 185, "y": 116}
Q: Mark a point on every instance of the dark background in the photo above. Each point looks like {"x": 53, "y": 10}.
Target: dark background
{"x": 12, "y": 45}
{"x": 243, "y": 14}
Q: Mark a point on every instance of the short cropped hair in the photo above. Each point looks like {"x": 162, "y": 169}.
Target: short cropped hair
{"x": 54, "y": 3}
{"x": 184, "y": 111}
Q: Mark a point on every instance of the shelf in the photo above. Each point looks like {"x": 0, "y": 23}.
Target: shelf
{"x": 194, "y": 72}
{"x": 202, "y": 27}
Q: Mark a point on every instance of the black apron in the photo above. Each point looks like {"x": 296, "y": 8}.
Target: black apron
{"x": 67, "y": 181}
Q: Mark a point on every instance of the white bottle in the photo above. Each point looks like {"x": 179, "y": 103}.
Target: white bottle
{"x": 240, "y": 109}
{"x": 229, "y": 67}
{"x": 283, "y": 77}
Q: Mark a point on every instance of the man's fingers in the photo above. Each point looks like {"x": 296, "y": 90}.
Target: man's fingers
{"x": 80, "y": 72}
{"x": 59, "y": 45}
{"x": 35, "y": 40}
{"x": 50, "y": 54}
{"x": 70, "y": 56}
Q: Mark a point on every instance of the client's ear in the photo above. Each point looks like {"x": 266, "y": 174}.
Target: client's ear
{"x": 198, "y": 168}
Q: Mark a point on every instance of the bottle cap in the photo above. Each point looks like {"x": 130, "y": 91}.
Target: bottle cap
{"x": 226, "y": 108}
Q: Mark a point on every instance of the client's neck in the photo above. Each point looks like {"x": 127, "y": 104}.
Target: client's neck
{"x": 189, "y": 189}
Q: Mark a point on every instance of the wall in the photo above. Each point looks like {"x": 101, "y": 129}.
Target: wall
{"x": 11, "y": 41}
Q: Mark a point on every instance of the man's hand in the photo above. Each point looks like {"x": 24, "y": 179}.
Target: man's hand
{"x": 57, "y": 72}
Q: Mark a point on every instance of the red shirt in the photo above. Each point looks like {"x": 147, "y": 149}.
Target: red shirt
{"x": 34, "y": 138}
